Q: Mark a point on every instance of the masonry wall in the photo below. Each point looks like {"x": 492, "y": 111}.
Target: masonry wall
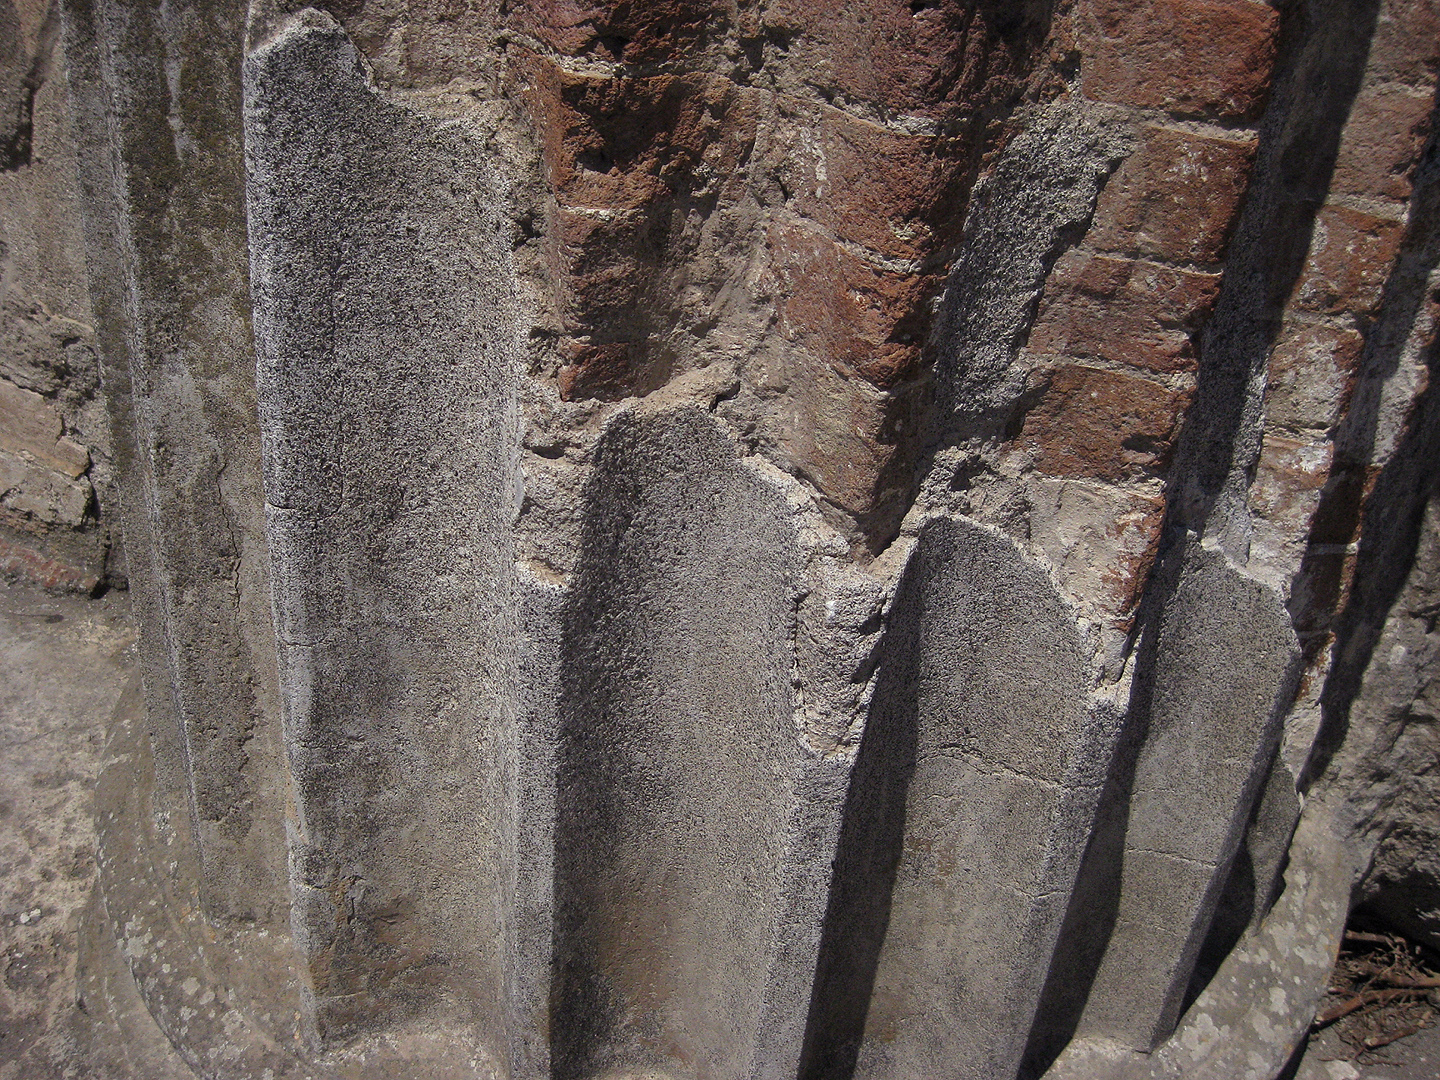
{"x": 725, "y": 539}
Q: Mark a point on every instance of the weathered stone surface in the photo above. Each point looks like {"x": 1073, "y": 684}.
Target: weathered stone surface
{"x": 1189, "y": 57}
{"x": 46, "y": 342}
{"x": 1213, "y": 685}
{"x": 1176, "y": 197}
{"x": 34, "y": 493}
{"x": 1041, "y": 190}
{"x": 161, "y": 187}
{"x": 31, "y": 427}
{"x": 718, "y": 462}
{"x": 1394, "y": 744}
{"x": 387, "y": 416}
{"x": 679, "y": 764}
{"x": 979, "y": 766}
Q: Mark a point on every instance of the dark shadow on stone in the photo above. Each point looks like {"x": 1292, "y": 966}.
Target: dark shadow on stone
{"x": 1391, "y": 522}
{"x": 872, "y": 835}
{"x": 1322, "y": 56}
{"x": 1095, "y": 903}
{"x": 1321, "y": 61}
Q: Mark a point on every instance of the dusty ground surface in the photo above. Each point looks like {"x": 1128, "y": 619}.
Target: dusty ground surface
{"x": 63, "y": 664}
{"x": 1414, "y": 1058}
{"x": 66, "y": 1012}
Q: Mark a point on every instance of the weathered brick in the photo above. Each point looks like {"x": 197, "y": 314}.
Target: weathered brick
{"x": 618, "y": 29}
{"x": 945, "y": 58}
{"x": 1127, "y": 310}
{"x": 1382, "y": 143}
{"x": 608, "y": 371}
{"x": 1101, "y": 539}
{"x": 1310, "y": 374}
{"x": 1351, "y": 253}
{"x": 1176, "y": 197}
{"x": 604, "y": 262}
{"x": 1188, "y": 57}
{"x": 1101, "y": 424}
{"x": 892, "y": 193}
{"x": 847, "y": 438}
{"x": 21, "y": 561}
{"x": 869, "y": 320}
{"x": 626, "y": 142}
{"x": 1289, "y": 477}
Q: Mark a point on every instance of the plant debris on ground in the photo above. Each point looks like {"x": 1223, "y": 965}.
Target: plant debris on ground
{"x": 1383, "y": 988}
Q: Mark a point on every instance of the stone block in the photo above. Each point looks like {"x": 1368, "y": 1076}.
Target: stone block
{"x": 1086, "y": 422}
{"x": 1188, "y": 57}
{"x": 1351, "y": 253}
{"x": 35, "y": 495}
{"x": 678, "y": 764}
{"x": 1211, "y": 688}
{"x": 45, "y": 352}
{"x": 387, "y": 420}
{"x": 1311, "y": 372}
{"x": 958, "y": 845}
{"x": 893, "y": 193}
{"x": 1382, "y": 142}
{"x": 1176, "y": 197}
{"x": 1129, "y": 311}
{"x": 30, "y": 427}
{"x": 864, "y": 318}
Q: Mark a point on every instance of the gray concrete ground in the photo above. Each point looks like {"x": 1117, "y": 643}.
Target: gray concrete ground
{"x": 67, "y": 1010}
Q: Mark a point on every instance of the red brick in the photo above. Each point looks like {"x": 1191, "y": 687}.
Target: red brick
{"x": 618, "y": 29}
{"x": 1188, "y": 57}
{"x": 18, "y": 561}
{"x": 868, "y": 320}
{"x": 1101, "y": 424}
{"x": 1176, "y": 197}
{"x": 603, "y": 264}
{"x": 1137, "y": 542}
{"x": 625, "y": 142}
{"x": 892, "y": 193}
{"x": 1126, "y": 310}
{"x": 951, "y": 58}
{"x": 1351, "y": 253}
{"x": 610, "y": 371}
{"x": 1382, "y": 143}
{"x": 1310, "y": 375}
